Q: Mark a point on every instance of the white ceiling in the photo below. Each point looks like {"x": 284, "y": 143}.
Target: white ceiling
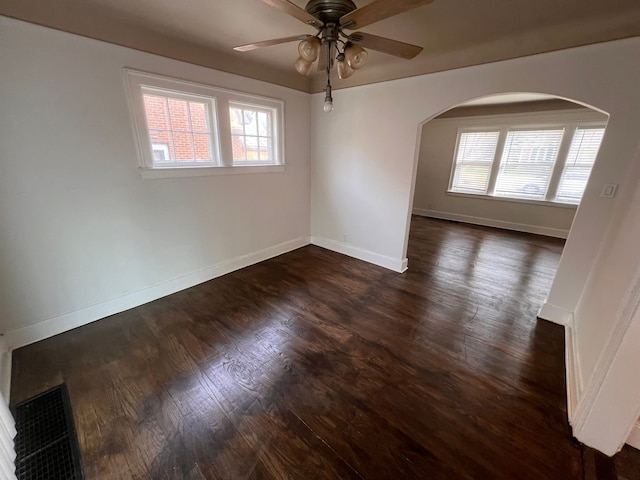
{"x": 454, "y": 33}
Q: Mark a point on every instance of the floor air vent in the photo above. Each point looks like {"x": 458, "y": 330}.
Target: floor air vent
{"x": 46, "y": 444}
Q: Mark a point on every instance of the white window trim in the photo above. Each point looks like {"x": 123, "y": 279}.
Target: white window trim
{"x": 568, "y": 120}
{"x": 136, "y": 80}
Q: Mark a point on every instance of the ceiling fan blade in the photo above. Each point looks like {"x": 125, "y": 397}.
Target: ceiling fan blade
{"x": 378, "y": 10}
{"x": 295, "y": 11}
{"x": 385, "y": 45}
{"x": 268, "y": 43}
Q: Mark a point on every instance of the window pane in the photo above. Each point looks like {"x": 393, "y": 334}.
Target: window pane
{"x": 203, "y": 149}
{"x": 184, "y": 147}
{"x": 159, "y": 141}
{"x": 238, "y": 147}
{"x": 250, "y": 122}
{"x": 199, "y": 117}
{"x": 235, "y": 115}
{"x": 161, "y": 153}
{"x": 157, "y": 113}
{"x": 527, "y": 163}
{"x": 251, "y": 146}
{"x": 264, "y": 124}
{"x": 472, "y": 178}
{"x": 265, "y": 149}
{"x": 582, "y": 155}
{"x": 178, "y": 115}
{"x": 473, "y": 161}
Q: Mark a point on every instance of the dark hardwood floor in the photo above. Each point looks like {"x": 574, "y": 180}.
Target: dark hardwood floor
{"x": 313, "y": 365}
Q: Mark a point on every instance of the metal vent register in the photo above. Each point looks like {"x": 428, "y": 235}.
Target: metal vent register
{"x": 46, "y": 443}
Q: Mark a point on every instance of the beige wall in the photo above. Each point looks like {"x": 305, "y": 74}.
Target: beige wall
{"x": 437, "y": 149}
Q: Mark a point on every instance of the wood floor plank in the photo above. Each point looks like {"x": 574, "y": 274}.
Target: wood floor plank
{"x": 313, "y": 365}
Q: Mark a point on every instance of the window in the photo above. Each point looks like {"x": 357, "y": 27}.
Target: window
{"x": 542, "y": 163}
{"x": 582, "y": 156}
{"x": 251, "y": 133}
{"x": 179, "y": 128}
{"x": 187, "y": 129}
{"x": 473, "y": 161}
{"x": 527, "y": 163}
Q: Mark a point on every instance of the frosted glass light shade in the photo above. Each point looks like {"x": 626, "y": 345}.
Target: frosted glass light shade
{"x": 344, "y": 69}
{"x": 356, "y": 56}
{"x": 309, "y": 49}
{"x": 303, "y": 66}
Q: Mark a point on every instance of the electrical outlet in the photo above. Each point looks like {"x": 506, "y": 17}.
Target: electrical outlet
{"x": 609, "y": 190}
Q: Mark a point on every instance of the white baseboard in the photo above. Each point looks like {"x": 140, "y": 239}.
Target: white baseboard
{"x": 634, "y": 437}
{"x": 555, "y": 314}
{"x": 395, "y": 264}
{"x": 5, "y": 370}
{"x": 62, "y": 323}
{"x": 490, "y": 222}
{"x": 573, "y": 369}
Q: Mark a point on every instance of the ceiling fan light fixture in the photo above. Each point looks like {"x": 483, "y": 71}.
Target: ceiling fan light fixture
{"x": 355, "y": 55}
{"x": 330, "y": 18}
{"x": 303, "y": 66}
{"x": 309, "y": 49}
{"x": 344, "y": 69}
{"x": 328, "y": 100}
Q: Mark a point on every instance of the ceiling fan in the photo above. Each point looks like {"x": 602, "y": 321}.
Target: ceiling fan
{"x": 331, "y": 45}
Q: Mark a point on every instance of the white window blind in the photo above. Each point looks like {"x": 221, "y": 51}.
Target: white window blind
{"x": 582, "y": 155}
{"x": 473, "y": 161}
{"x": 527, "y": 163}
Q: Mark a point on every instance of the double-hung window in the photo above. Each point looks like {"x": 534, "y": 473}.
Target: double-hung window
{"x": 187, "y": 129}
{"x": 527, "y": 162}
{"x": 580, "y": 160}
{"x": 251, "y": 134}
{"x": 181, "y": 128}
{"x": 549, "y": 162}
{"x": 474, "y": 159}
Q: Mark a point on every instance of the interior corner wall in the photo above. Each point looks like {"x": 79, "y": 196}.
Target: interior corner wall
{"x": 80, "y": 229}
{"x": 364, "y": 153}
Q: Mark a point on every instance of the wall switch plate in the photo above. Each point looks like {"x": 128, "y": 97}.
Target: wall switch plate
{"x": 609, "y": 190}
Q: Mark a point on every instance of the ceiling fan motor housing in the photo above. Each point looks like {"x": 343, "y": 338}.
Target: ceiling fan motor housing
{"x": 330, "y": 11}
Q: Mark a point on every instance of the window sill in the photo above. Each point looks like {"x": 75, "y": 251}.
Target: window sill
{"x": 181, "y": 172}
{"x": 540, "y": 203}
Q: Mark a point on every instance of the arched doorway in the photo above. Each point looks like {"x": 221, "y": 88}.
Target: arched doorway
{"x": 513, "y": 161}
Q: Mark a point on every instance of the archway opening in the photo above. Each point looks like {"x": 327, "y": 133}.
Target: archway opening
{"x": 516, "y": 162}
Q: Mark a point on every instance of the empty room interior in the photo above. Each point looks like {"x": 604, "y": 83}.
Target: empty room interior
{"x": 387, "y": 239}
